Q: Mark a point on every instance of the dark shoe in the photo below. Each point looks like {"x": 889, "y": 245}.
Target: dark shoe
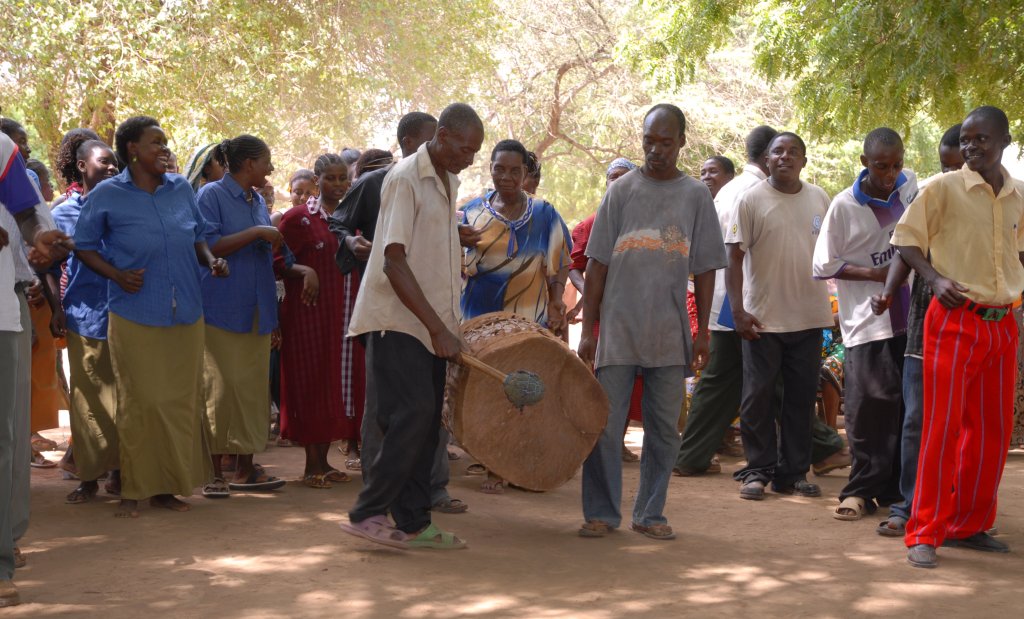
{"x": 979, "y": 541}
{"x": 800, "y": 488}
{"x": 922, "y": 555}
{"x": 752, "y": 490}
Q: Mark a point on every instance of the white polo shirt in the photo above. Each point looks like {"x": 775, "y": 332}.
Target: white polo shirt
{"x": 777, "y": 231}
{"x": 856, "y": 232}
{"x": 415, "y": 212}
{"x": 725, "y": 203}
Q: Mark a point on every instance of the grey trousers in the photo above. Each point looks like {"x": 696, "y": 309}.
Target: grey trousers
{"x": 8, "y": 370}
{"x": 22, "y": 473}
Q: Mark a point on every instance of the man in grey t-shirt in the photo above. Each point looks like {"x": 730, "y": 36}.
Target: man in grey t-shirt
{"x": 654, "y": 228}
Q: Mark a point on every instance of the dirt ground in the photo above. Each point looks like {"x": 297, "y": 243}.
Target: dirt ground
{"x": 282, "y": 555}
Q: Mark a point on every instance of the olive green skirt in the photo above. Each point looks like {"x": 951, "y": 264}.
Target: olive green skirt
{"x": 93, "y": 406}
{"x": 236, "y": 380}
{"x": 159, "y": 374}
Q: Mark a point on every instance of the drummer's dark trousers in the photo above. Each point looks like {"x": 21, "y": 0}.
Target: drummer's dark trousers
{"x": 407, "y": 384}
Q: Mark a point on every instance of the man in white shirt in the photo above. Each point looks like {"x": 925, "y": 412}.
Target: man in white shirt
{"x": 854, "y": 248}
{"x": 716, "y": 401}
{"x": 20, "y": 199}
{"x": 779, "y": 310}
{"x": 408, "y": 305}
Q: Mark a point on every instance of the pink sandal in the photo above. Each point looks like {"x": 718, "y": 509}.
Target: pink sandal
{"x": 377, "y": 529}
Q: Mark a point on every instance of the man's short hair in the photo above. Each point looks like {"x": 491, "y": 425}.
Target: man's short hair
{"x": 951, "y": 138}
{"x": 412, "y": 123}
{"x": 790, "y": 134}
{"x": 459, "y": 117}
{"x": 993, "y": 114}
{"x": 674, "y": 111}
{"x": 882, "y": 136}
{"x": 758, "y": 141}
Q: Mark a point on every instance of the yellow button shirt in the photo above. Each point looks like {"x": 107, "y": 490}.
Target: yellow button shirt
{"x": 973, "y": 235}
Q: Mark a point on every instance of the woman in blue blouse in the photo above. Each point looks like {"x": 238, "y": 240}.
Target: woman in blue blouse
{"x": 240, "y": 314}
{"x": 93, "y": 418}
{"x": 152, "y": 237}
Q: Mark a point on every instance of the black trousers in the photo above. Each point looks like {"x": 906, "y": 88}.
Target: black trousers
{"x": 873, "y": 379}
{"x": 407, "y": 385}
{"x": 780, "y": 456}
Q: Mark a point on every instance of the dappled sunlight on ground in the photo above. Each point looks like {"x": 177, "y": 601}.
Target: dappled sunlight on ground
{"x": 283, "y": 555}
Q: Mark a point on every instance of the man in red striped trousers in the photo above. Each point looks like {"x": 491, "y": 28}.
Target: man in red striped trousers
{"x": 971, "y": 223}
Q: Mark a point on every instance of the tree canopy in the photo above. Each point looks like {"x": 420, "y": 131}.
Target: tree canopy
{"x": 571, "y": 79}
{"x": 855, "y": 64}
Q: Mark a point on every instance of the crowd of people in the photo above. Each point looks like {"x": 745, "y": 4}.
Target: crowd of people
{"x": 191, "y": 309}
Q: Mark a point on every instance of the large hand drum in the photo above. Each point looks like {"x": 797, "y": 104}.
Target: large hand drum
{"x": 542, "y": 446}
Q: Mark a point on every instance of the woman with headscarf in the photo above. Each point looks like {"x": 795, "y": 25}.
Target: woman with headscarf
{"x": 204, "y": 166}
{"x": 522, "y": 259}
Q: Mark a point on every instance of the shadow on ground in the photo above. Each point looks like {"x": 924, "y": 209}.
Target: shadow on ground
{"x": 259, "y": 556}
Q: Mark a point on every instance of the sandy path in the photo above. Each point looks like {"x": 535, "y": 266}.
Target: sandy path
{"x": 283, "y": 555}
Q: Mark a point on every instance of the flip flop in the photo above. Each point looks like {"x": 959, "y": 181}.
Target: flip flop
{"x": 654, "y": 531}
{"x": 336, "y": 476}
{"x": 436, "y": 539}
{"x": 854, "y": 504}
{"x": 354, "y": 464}
{"x": 476, "y": 469}
{"x": 253, "y": 483}
{"x": 496, "y": 486}
{"x": 893, "y": 526}
{"x": 40, "y": 443}
{"x": 376, "y": 529}
{"x": 318, "y": 482}
{"x": 595, "y": 528}
{"x": 81, "y": 495}
{"x": 450, "y": 506}
{"x": 40, "y": 462}
{"x": 216, "y": 489}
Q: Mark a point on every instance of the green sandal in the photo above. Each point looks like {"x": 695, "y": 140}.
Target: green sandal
{"x": 433, "y": 537}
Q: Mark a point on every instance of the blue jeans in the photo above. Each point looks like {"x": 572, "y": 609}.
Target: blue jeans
{"x": 910, "y": 446}
{"x": 662, "y": 403}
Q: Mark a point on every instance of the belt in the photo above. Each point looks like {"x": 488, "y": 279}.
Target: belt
{"x": 988, "y": 312}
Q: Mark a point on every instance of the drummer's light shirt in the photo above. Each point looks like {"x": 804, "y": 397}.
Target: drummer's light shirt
{"x": 415, "y": 212}
{"x": 652, "y": 235}
{"x": 856, "y": 232}
{"x": 973, "y": 235}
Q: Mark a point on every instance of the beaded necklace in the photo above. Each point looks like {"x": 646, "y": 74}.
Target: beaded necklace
{"x": 513, "y": 225}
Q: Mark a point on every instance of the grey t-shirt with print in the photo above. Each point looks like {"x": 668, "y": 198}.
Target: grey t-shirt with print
{"x": 652, "y": 235}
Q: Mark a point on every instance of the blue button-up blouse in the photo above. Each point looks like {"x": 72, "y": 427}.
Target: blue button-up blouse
{"x": 233, "y": 303}
{"x": 85, "y": 298}
{"x": 155, "y": 231}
